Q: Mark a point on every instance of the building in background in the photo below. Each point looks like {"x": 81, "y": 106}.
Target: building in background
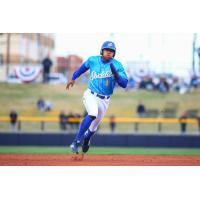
{"x": 73, "y": 63}
{"x": 61, "y": 64}
{"x": 67, "y": 65}
{"x": 19, "y": 49}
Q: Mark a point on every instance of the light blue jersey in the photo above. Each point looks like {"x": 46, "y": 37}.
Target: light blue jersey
{"x": 102, "y": 80}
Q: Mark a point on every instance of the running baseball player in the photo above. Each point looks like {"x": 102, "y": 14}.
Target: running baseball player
{"x": 105, "y": 72}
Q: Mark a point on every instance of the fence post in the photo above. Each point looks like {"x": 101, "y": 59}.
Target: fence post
{"x": 159, "y": 127}
{"x": 198, "y": 123}
{"x": 42, "y": 126}
{"x": 199, "y": 127}
{"x": 19, "y": 125}
{"x": 136, "y": 126}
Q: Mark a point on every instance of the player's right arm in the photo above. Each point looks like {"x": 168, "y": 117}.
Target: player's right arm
{"x": 83, "y": 68}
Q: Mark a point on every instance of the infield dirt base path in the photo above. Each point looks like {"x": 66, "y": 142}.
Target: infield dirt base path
{"x": 97, "y": 160}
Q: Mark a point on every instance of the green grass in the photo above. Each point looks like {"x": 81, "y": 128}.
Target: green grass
{"x": 23, "y": 98}
{"x": 123, "y": 103}
{"x": 100, "y": 150}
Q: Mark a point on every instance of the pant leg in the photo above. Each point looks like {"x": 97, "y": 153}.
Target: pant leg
{"x": 91, "y": 103}
{"x": 102, "y": 108}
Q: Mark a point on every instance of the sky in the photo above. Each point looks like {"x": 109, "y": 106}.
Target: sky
{"x": 166, "y": 52}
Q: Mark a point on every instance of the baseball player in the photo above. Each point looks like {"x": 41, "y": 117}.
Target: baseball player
{"x": 105, "y": 72}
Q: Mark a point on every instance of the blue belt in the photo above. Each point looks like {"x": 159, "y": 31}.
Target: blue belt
{"x": 100, "y": 96}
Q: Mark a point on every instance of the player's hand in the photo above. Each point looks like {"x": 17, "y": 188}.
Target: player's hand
{"x": 70, "y": 84}
{"x": 114, "y": 71}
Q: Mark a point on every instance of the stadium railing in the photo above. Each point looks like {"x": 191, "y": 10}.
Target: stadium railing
{"x": 135, "y": 121}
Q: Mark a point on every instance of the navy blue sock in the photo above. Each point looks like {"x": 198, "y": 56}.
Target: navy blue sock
{"x": 88, "y": 134}
{"x": 85, "y": 124}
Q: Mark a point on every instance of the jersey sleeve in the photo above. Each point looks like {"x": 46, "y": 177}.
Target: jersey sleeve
{"x": 80, "y": 71}
{"x": 87, "y": 63}
{"x": 121, "y": 71}
{"x": 83, "y": 68}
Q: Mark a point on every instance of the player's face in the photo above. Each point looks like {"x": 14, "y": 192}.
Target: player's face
{"x": 108, "y": 54}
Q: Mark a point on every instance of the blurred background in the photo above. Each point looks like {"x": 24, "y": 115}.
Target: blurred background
{"x": 162, "y": 97}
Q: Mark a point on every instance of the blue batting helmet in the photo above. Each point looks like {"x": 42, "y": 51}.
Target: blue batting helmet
{"x": 108, "y": 45}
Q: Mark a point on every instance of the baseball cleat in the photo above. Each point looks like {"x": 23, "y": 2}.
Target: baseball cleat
{"x": 74, "y": 147}
{"x": 86, "y": 145}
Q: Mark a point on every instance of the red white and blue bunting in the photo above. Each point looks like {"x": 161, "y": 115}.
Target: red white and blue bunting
{"x": 27, "y": 74}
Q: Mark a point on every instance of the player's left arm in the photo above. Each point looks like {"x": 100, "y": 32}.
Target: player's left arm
{"x": 120, "y": 75}
{"x": 82, "y": 69}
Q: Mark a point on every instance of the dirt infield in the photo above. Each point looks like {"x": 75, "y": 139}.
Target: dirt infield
{"x": 97, "y": 160}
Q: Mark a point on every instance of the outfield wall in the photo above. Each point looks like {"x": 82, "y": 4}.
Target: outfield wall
{"x": 117, "y": 140}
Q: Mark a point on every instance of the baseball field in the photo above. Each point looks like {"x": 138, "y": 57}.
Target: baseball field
{"x": 23, "y": 98}
{"x": 61, "y": 156}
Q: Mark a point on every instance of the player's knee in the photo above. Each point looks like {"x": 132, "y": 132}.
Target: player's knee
{"x": 93, "y": 117}
{"x": 93, "y": 113}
